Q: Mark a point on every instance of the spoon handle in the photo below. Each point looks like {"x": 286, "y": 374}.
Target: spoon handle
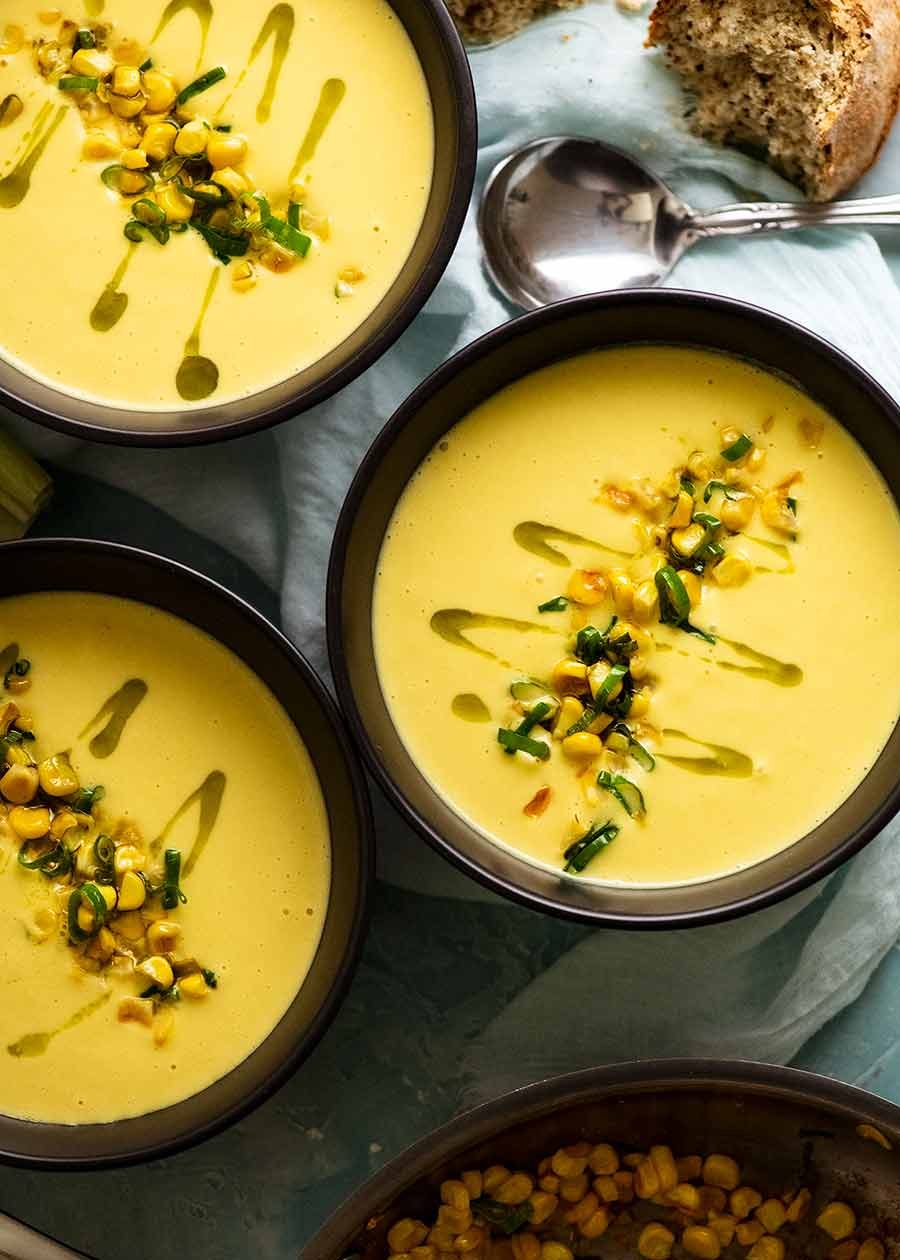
{"x": 753, "y": 218}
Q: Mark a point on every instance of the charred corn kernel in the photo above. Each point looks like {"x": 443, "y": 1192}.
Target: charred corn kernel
{"x": 838, "y": 1220}
{"x": 29, "y": 822}
{"x": 846, "y": 1250}
{"x": 700, "y": 1240}
{"x": 622, "y": 589}
{"x": 767, "y": 1248}
{"x": 226, "y": 150}
{"x": 571, "y": 1189}
{"x": 686, "y": 541}
{"x": 158, "y": 971}
{"x": 736, "y": 514}
{"x": 723, "y": 1226}
{"x": 127, "y": 106}
{"x": 596, "y": 1224}
{"x": 514, "y": 1190}
{"x": 473, "y": 1183}
{"x": 871, "y": 1249}
{"x": 605, "y": 1188}
{"x": 798, "y": 1206}
{"x": 771, "y": 1215}
{"x": 645, "y": 604}
{"x": 603, "y": 1159}
{"x": 92, "y": 62}
{"x": 733, "y": 570}
{"x": 664, "y": 1162}
{"x": 494, "y": 1177}
{"x": 161, "y": 937}
{"x": 776, "y": 514}
{"x": 19, "y": 784}
{"x": 159, "y": 90}
{"x": 98, "y": 146}
{"x": 192, "y": 139}
{"x": 406, "y": 1234}
{"x": 712, "y": 1199}
{"x": 582, "y": 745}
{"x": 178, "y": 208}
{"x": 193, "y": 985}
{"x": 526, "y": 1247}
{"x": 569, "y": 675}
{"x": 57, "y": 776}
{"x": 126, "y": 81}
{"x": 136, "y": 1010}
{"x": 683, "y": 512}
{"x": 646, "y": 1179}
{"x": 689, "y": 1167}
{"x": 722, "y": 1172}
{"x": 243, "y": 277}
{"x": 743, "y": 1201}
{"x": 587, "y": 587}
{"x": 748, "y": 1232}
{"x": 624, "y": 1184}
{"x": 684, "y": 1196}
{"x": 231, "y": 180}
{"x": 132, "y": 891}
{"x": 555, "y": 1251}
{"x": 134, "y": 159}
{"x": 870, "y": 1134}
{"x": 543, "y": 1205}
{"x": 159, "y": 140}
{"x": 656, "y": 1242}
{"x": 163, "y": 1027}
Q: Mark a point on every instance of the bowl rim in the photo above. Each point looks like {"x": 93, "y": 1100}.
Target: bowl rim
{"x": 304, "y": 399}
{"x": 528, "y": 1102}
{"x": 367, "y": 472}
{"x": 358, "y": 929}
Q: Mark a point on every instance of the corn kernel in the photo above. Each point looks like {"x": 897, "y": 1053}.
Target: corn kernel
{"x": 543, "y": 1205}
{"x": 684, "y": 1196}
{"x": 712, "y": 1199}
{"x": 136, "y": 1010}
{"x": 743, "y": 1201}
{"x": 91, "y": 62}
{"x": 587, "y": 587}
{"x": 582, "y": 745}
{"x": 569, "y": 675}
{"x": 603, "y": 1159}
{"x": 573, "y": 1188}
{"x": 29, "y": 822}
{"x": 723, "y": 1227}
{"x": 160, "y": 91}
{"x": 406, "y": 1234}
{"x": 163, "y": 1027}
{"x": 177, "y": 206}
{"x": 555, "y": 1251}
{"x": 622, "y": 590}
{"x": 158, "y": 971}
{"x": 645, "y": 603}
{"x": 605, "y": 1187}
{"x": 646, "y": 1179}
{"x": 689, "y": 1167}
{"x": 656, "y": 1242}
{"x": 767, "y": 1248}
{"x": 134, "y": 159}
{"x": 494, "y": 1177}
{"x": 748, "y": 1232}
{"x": 700, "y": 1240}
{"x": 226, "y": 150}
{"x": 473, "y": 1183}
{"x": 515, "y": 1189}
{"x": 193, "y": 985}
{"x": 838, "y": 1220}
{"x": 736, "y": 514}
{"x": 683, "y": 511}
{"x": 525, "y": 1247}
{"x": 798, "y": 1206}
{"x": 19, "y": 784}
{"x": 871, "y": 1249}
{"x": 596, "y": 1224}
{"x": 625, "y": 1184}
{"x": 771, "y": 1215}
{"x": 846, "y": 1250}
{"x": 231, "y": 180}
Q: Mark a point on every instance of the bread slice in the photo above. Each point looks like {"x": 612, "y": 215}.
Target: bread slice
{"x": 483, "y": 21}
{"x": 813, "y": 83}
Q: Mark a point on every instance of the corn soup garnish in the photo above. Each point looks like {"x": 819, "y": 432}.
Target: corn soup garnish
{"x": 113, "y": 897}
{"x": 651, "y": 1204}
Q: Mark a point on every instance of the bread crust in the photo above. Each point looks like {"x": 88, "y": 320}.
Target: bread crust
{"x": 853, "y": 139}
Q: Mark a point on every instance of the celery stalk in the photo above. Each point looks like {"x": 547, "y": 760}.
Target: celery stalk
{"x": 25, "y": 489}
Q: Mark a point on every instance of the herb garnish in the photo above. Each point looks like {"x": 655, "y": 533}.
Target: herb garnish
{"x": 738, "y": 449}
{"x": 171, "y": 889}
{"x": 78, "y": 83}
{"x": 205, "y": 81}
{"x": 558, "y": 604}
{"x": 584, "y": 850}
{"x": 506, "y": 1217}
{"x": 627, "y": 793}
{"x": 675, "y": 603}
{"x": 512, "y": 741}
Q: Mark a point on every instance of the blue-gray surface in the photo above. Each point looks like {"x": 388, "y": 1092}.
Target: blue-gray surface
{"x": 433, "y": 973}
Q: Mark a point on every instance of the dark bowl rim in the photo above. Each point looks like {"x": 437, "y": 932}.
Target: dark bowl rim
{"x": 362, "y": 807}
{"x": 496, "y": 340}
{"x": 384, "y": 337}
{"x": 527, "y": 1102}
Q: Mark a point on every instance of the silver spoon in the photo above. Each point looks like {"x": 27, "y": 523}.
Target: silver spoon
{"x": 568, "y": 215}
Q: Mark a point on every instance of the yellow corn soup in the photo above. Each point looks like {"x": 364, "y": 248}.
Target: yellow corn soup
{"x": 255, "y": 860}
{"x": 332, "y": 103}
{"x": 575, "y": 487}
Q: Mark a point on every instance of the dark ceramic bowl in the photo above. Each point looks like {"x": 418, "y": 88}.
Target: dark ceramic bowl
{"x": 67, "y": 564}
{"x": 446, "y": 69}
{"x": 510, "y": 352}
{"x": 786, "y": 1128}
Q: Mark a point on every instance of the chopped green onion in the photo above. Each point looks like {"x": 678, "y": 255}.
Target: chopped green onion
{"x": 222, "y": 127}
{"x": 78, "y": 83}
{"x": 627, "y": 793}
{"x": 537, "y": 714}
{"x": 134, "y": 231}
{"x": 289, "y": 237}
{"x": 172, "y": 166}
{"x": 205, "y": 81}
{"x": 18, "y": 669}
{"x": 85, "y": 39}
{"x": 104, "y": 857}
{"x": 583, "y": 851}
{"x": 222, "y": 245}
{"x": 590, "y": 643}
{"x": 84, "y": 800}
{"x": 146, "y": 65}
{"x": 610, "y": 686}
{"x": 210, "y": 977}
{"x": 503, "y": 1216}
{"x": 529, "y": 690}
{"x": 559, "y": 604}
{"x": 208, "y": 193}
{"x": 92, "y": 894}
{"x": 674, "y": 601}
{"x": 712, "y": 486}
{"x": 792, "y": 504}
{"x": 265, "y": 211}
{"x": 707, "y": 520}
{"x": 171, "y": 890}
{"x": 162, "y": 995}
{"x": 148, "y": 211}
{"x": 512, "y": 741}
{"x": 738, "y": 449}
{"x": 11, "y": 108}
{"x": 645, "y": 759}
{"x": 293, "y": 216}
{"x": 53, "y": 863}
{"x": 688, "y": 486}
{"x": 112, "y": 178}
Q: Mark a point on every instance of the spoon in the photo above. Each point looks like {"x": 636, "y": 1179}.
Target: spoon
{"x": 568, "y": 215}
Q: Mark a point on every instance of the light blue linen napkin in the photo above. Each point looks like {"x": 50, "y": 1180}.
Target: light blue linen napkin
{"x": 759, "y": 987}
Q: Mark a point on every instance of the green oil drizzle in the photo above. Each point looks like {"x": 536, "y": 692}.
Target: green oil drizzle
{"x": 279, "y": 25}
{"x": 201, "y": 8}
{"x": 111, "y": 304}
{"x": 333, "y": 92}
{"x": 452, "y": 623}
{"x": 209, "y": 795}
{"x": 534, "y": 537}
{"x": 8, "y": 658}
{"x": 766, "y": 667}
{"x": 34, "y": 1044}
{"x": 197, "y": 377}
{"x": 14, "y": 186}
{"x": 724, "y": 761}
{"x": 119, "y": 708}
{"x": 470, "y": 708}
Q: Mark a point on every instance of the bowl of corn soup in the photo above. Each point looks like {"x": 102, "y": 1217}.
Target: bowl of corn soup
{"x": 589, "y": 595}
{"x": 684, "y": 1158}
{"x": 258, "y": 201}
{"x": 185, "y": 856}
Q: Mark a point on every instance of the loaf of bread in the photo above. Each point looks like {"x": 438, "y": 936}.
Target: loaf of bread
{"x": 483, "y": 21}
{"x": 811, "y": 83}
